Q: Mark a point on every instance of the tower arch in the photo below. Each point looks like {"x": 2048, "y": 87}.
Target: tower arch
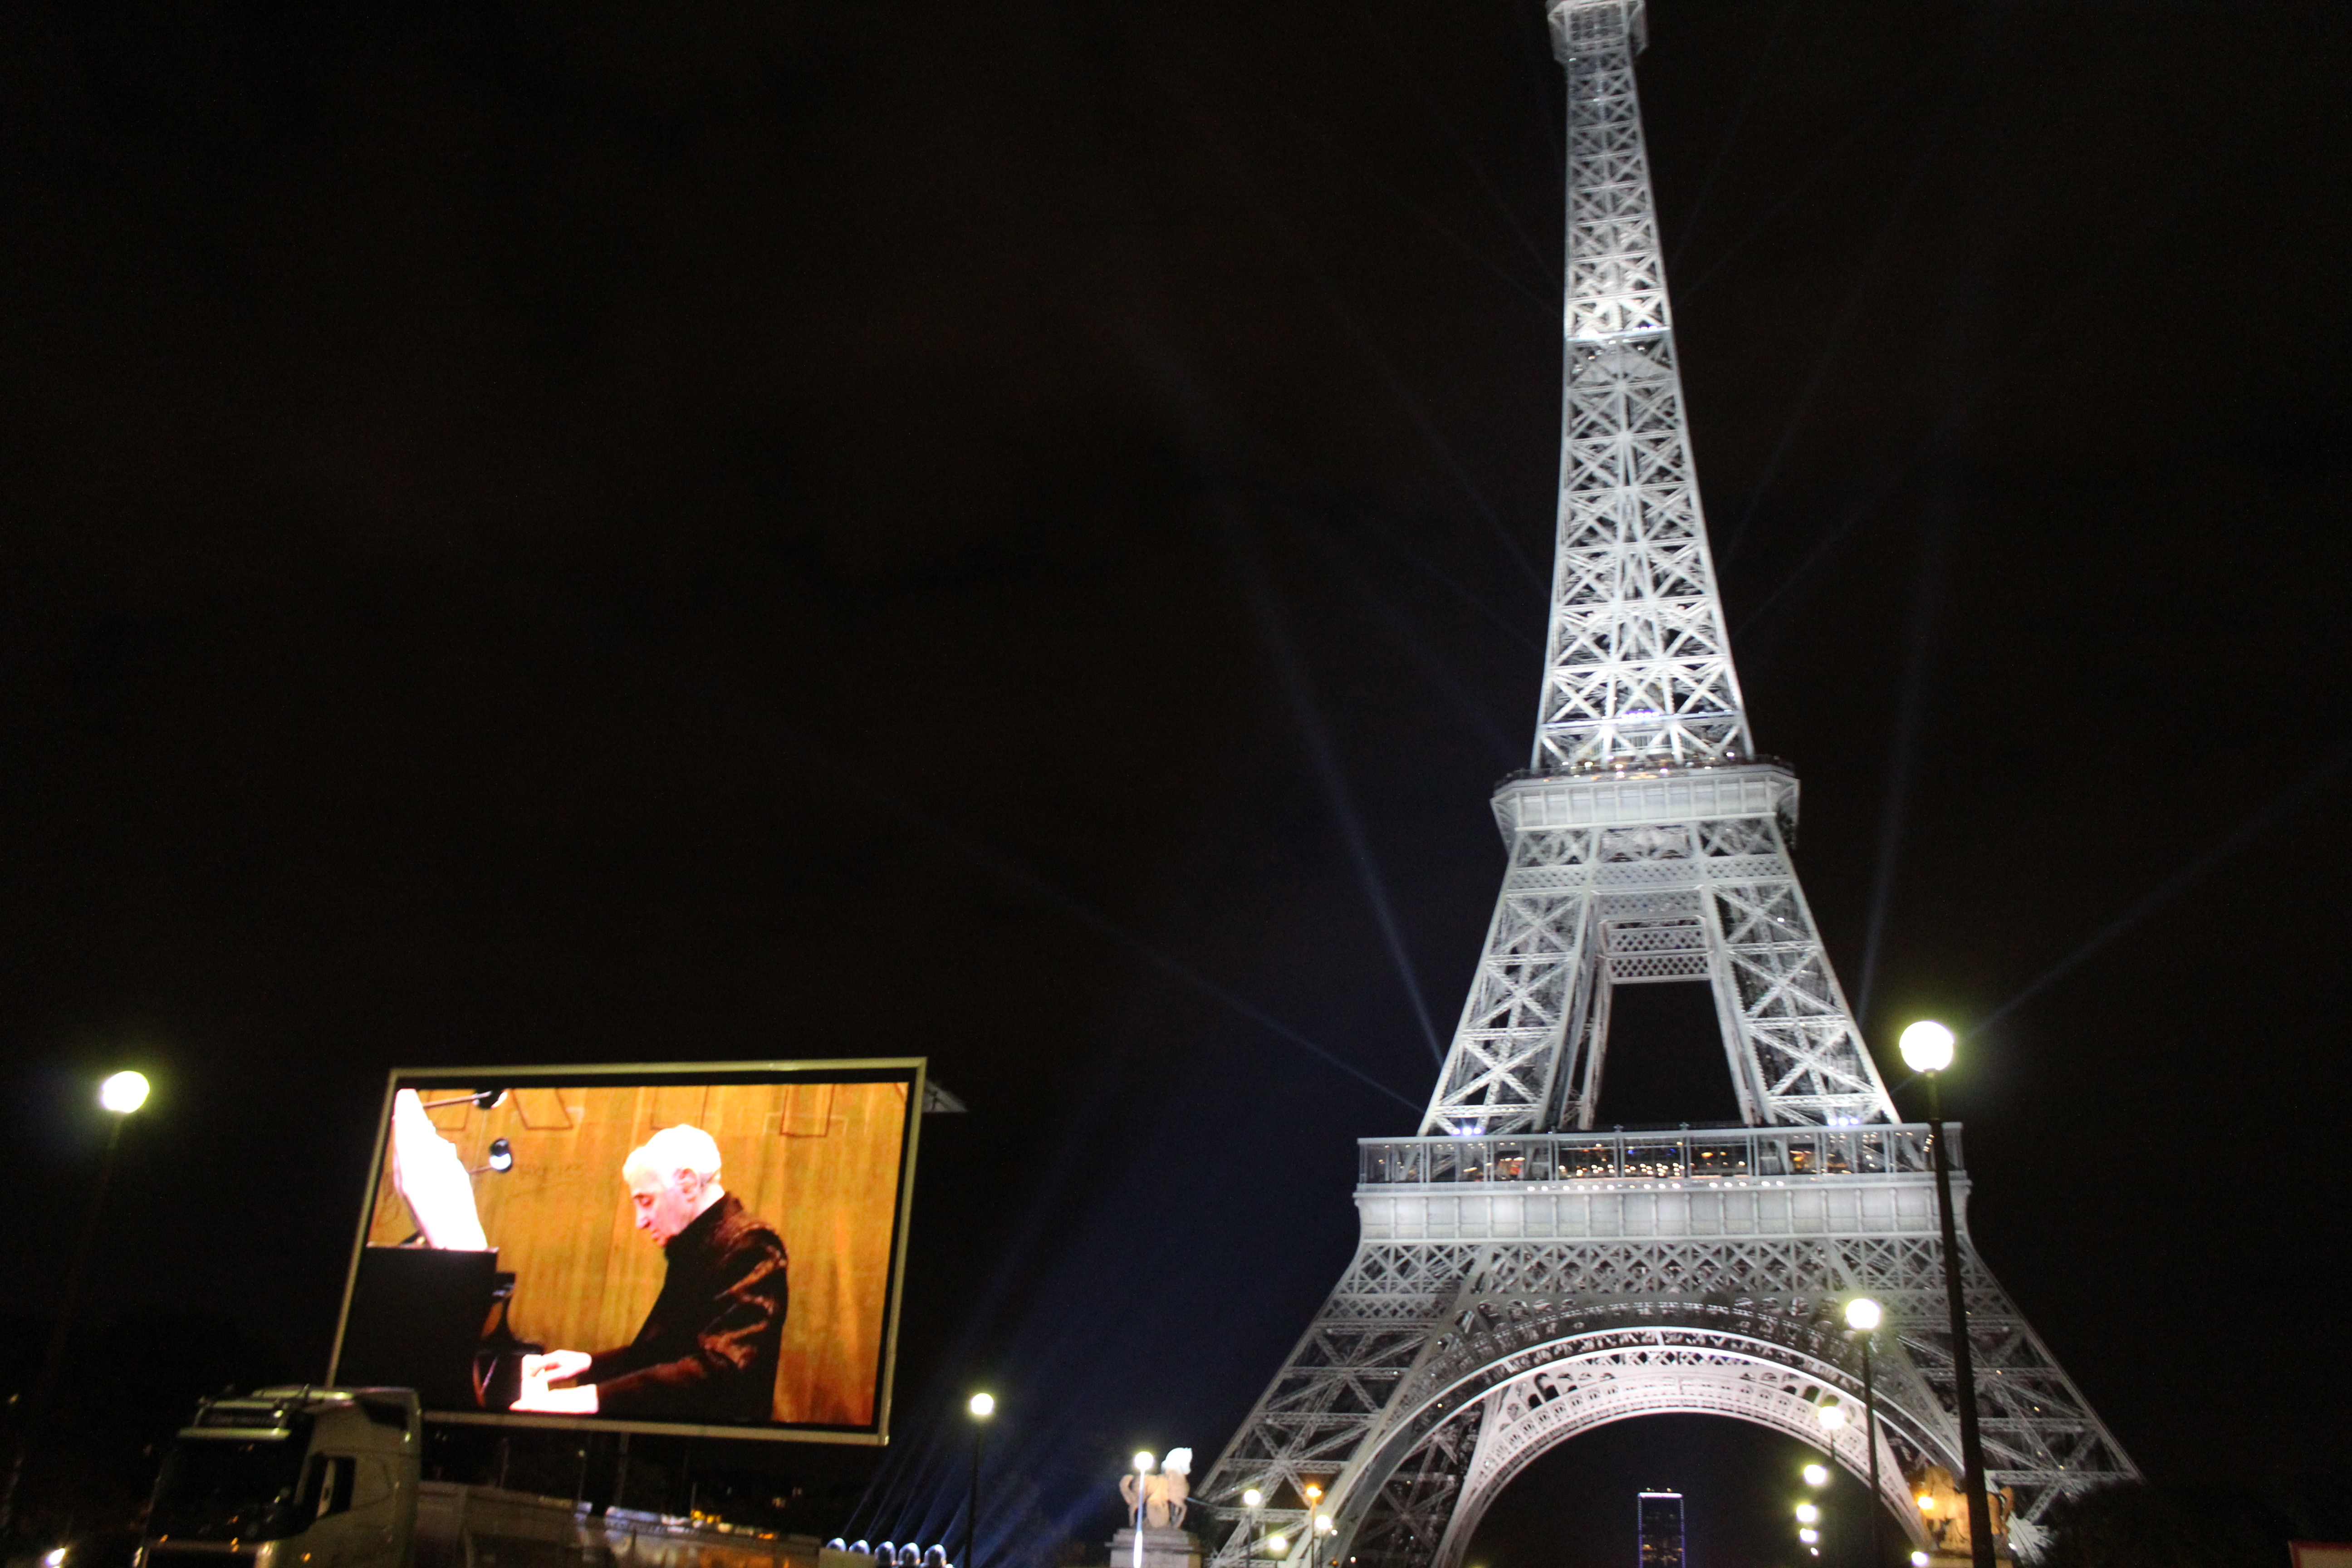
{"x": 1536, "y": 1402}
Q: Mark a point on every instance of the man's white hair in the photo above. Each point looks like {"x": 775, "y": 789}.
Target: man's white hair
{"x": 670, "y": 1151}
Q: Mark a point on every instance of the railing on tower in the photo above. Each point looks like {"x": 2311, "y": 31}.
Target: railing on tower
{"x": 1698, "y": 1155}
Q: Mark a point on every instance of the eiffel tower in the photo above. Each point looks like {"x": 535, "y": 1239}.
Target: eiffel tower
{"x": 1522, "y": 1278}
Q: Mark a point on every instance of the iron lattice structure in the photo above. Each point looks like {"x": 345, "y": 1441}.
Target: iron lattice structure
{"x": 1521, "y": 1278}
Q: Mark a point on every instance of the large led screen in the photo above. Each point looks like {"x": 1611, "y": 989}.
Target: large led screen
{"x": 711, "y": 1250}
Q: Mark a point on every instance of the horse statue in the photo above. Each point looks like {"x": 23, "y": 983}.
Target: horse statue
{"x": 1163, "y": 1494}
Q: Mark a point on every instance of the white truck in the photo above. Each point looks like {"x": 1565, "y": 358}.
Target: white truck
{"x": 290, "y": 1477}
{"x": 330, "y": 1478}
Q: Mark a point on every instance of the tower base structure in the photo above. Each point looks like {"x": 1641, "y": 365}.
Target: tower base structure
{"x": 1510, "y": 1293}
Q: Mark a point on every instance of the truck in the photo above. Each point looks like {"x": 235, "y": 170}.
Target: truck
{"x": 309, "y": 1477}
{"x": 290, "y": 1477}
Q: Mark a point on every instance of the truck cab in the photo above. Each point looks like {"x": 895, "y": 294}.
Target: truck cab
{"x": 290, "y": 1477}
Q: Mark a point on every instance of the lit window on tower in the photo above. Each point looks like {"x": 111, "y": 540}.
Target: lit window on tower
{"x": 1662, "y": 1529}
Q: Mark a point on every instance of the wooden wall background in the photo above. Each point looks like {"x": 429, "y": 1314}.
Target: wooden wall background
{"x": 819, "y": 1161}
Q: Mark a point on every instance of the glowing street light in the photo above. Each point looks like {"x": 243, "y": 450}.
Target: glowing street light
{"x": 1926, "y": 1046}
{"x": 1831, "y": 1416}
{"x": 1918, "y": 1560}
{"x": 1807, "y": 1513}
{"x": 123, "y": 1093}
{"x": 1817, "y": 1475}
{"x": 1809, "y": 1536}
{"x": 1927, "y": 1049}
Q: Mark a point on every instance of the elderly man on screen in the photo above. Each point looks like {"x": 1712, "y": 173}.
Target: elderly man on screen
{"x": 709, "y": 1348}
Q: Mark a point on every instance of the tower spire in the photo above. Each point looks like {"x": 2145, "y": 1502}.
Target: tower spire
{"x": 1638, "y": 663}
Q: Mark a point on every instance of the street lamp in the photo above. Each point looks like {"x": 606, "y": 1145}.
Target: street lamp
{"x": 1863, "y": 1315}
{"x": 1817, "y": 1475}
{"x": 981, "y": 1406}
{"x": 1312, "y": 1495}
{"x": 1252, "y": 1500}
{"x": 121, "y": 1095}
{"x": 1143, "y": 1463}
{"x": 1927, "y": 1049}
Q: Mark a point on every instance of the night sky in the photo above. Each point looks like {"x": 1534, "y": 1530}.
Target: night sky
{"x": 1017, "y": 534}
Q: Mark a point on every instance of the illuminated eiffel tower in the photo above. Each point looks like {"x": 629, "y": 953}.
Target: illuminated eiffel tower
{"x": 1521, "y": 1278}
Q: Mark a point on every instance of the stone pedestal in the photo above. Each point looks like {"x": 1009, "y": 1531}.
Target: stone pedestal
{"x": 1161, "y": 1549}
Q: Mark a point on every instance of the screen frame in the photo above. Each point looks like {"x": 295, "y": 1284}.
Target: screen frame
{"x": 912, "y": 1071}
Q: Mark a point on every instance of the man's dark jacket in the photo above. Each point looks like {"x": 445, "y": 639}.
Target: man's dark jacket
{"x": 709, "y": 1348}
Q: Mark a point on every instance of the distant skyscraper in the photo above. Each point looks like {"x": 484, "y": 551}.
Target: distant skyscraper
{"x": 1662, "y": 1529}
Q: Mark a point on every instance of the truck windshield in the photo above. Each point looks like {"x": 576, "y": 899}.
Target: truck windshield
{"x": 221, "y": 1488}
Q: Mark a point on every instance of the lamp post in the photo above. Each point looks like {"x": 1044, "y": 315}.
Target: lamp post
{"x": 119, "y": 1095}
{"x": 1926, "y": 1049}
{"x": 1252, "y": 1500}
{"x": 981, "y": 1406}
{"x": 1143, "y": 1463}
{"x": 1862, "y": 1315}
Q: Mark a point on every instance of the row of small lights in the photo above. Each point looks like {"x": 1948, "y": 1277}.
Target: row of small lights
{"x": 1809, "y": 1513}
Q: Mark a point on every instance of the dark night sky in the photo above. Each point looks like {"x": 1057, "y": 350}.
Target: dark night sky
{"x": 570, "y": 533}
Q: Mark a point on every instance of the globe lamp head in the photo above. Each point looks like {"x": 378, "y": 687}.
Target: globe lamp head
{"x": 1253, "y": 1498}
{"x": 1832, "y": 1418}
{"x": 1142, "y": 1462}
{"x": 1817, "y": 1475}
{"x": 982, "y": 1405}
{"x": 1862, "y": 1314}
{"x": 123, "y": 1093}
{"x": 1926, "y": 1046}
{"x": 1807, "y": 1513}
